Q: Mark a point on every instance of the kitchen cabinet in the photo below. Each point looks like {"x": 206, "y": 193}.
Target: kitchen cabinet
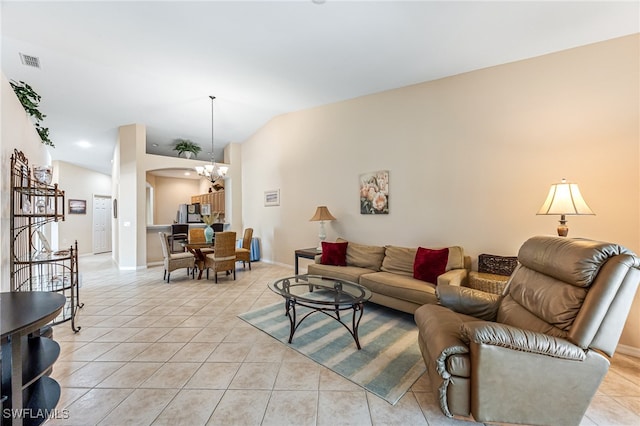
{"x": 214, "y": 199}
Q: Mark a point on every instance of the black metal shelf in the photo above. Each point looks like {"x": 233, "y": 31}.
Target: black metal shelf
{"x": 34, "y": 267}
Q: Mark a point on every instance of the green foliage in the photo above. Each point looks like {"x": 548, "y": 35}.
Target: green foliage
{"x": 185, "y": 145}
{"x": 30, "y": 100}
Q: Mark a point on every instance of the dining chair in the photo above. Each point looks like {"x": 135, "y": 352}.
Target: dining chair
{"x": 244, "y": 253}
{"x": 173, "y": 261}
{"x": 179, "y": 232}
{"x": 196, "y": 236}
{"x": 223, "y": 257}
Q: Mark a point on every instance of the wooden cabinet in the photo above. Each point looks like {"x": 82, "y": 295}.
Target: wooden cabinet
{"x": 214, "y": 199}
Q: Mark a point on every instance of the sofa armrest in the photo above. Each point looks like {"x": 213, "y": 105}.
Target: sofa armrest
{"x": 455, "y": 277}
{"x": 318, "y": 258}
{"x": 489, "y": 333}
{"x": 468, "y": 301}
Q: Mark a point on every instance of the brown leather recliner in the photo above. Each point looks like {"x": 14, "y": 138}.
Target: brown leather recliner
{"x": 537, "y": 353}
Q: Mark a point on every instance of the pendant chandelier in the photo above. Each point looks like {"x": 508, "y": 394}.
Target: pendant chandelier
{"x": 212, "y": 171}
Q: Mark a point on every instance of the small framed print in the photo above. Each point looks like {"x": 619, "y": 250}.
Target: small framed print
{"x": 205, "y": 209}
{"x": 77, "y": 206}
{"x": 272, "y": 198}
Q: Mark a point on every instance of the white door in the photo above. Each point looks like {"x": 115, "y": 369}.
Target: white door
{"x": 101, "y": 224}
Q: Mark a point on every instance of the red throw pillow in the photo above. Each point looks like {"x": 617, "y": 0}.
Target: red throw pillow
{"x": 430, "y": 263}
{"x": 334, "y": 254}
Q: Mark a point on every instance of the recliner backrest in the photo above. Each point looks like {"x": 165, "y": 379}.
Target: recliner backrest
{"x": 577, "y": 289}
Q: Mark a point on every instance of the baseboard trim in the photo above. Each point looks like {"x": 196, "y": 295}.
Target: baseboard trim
{"x": 132, "y": 268}
{"x": 628, "y": 350}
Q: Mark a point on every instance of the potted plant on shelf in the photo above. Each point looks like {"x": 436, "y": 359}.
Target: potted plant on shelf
{"x": 187, "y": 147}
{"x": 30, "y": 101}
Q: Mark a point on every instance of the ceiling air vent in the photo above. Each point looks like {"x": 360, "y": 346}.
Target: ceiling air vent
{"x": 30, "y": 61}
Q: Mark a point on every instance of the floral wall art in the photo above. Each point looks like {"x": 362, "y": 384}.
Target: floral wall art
{"x": 374, "y": 192}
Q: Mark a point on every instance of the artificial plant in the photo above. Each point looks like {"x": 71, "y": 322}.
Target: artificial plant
{"x": 185, "y": 145}
{"x": 30, "y": 101}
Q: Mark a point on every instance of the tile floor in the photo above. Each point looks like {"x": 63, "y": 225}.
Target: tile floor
{"x": 151, "y": 353}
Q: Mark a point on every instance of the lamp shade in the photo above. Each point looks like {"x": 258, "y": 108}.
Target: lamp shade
{"x": 322, "y": 213}
{"x": 564, "y": 198}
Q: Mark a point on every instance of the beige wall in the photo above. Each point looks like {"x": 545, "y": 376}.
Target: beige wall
{"x": 130, "y": 251}
{"x": 16, "y": 132}
{"x": 78, "y": 183}
{"x": 470, "y": 157}
{"x": 169, "y": 193}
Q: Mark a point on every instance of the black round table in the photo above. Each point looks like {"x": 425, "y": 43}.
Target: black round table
{"x": 24, "y": 380}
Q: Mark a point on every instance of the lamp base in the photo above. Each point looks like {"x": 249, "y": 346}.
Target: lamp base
{"x": 322, "y": 235}
{"x": 563, "y": 229}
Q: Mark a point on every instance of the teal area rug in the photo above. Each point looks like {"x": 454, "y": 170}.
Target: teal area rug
{"x": 389, "y": 362}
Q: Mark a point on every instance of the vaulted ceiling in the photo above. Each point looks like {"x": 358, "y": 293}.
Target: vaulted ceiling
{"x": 107, "y": 64}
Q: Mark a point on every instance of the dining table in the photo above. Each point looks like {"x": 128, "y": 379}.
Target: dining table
{"x": 200, "y": 252}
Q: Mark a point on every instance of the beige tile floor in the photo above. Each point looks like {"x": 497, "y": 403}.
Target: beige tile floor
{"x": 151, "y": 353}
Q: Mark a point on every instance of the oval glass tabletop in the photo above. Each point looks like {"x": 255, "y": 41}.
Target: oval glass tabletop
{"x": 321, "y": 290}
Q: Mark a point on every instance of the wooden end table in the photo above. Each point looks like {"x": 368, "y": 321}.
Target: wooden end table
{"x": 306, "y": 253}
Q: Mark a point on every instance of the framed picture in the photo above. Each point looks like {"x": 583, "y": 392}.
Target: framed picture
{"x": 374, "y": 192}
{"x": 272, "y": 198}
{"x": 205, "y": 209}
{"x": 77, "y": 206}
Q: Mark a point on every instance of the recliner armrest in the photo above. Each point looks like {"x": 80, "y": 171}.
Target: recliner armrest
{"x": 489, "y": 333}
{"x": 469, "y": 301}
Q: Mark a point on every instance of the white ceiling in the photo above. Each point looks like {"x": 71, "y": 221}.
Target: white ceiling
{"x": 107, "y": 64}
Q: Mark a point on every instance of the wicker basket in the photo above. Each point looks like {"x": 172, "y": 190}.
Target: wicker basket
{"x": 499, "y": 265}
{"x": 491, "y": 283}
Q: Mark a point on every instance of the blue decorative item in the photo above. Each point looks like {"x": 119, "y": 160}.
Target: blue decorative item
{"x": 208, "y": 234}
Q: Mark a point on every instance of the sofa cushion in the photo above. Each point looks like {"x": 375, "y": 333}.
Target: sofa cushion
{"x": 348, "y": 273}
{"x": 364, "y": 256}
{"x": 430, "y": 263}
{"x": 400, "y": 287}
{"x": 334, "y": 254}
{"x": 399, "y": 260}
{"x": 456, "y": 258}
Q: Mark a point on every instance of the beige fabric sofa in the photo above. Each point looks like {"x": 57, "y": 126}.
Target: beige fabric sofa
{"x": 387, "y": 271}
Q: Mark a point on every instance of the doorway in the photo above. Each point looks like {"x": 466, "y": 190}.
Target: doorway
{"x": 101, "y": 224}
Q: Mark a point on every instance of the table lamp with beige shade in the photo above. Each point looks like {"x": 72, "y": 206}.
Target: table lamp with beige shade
{"x": 564, "y": 198}
{"x": 322, "y": 214}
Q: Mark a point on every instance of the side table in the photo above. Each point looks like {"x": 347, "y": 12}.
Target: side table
{"x": 306, "y": 253}
{"x": 491, "y": 283}
{"x": 29, "y": 395}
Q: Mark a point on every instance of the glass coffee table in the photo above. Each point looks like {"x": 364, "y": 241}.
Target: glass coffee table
{"x": 321, "y": 294}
